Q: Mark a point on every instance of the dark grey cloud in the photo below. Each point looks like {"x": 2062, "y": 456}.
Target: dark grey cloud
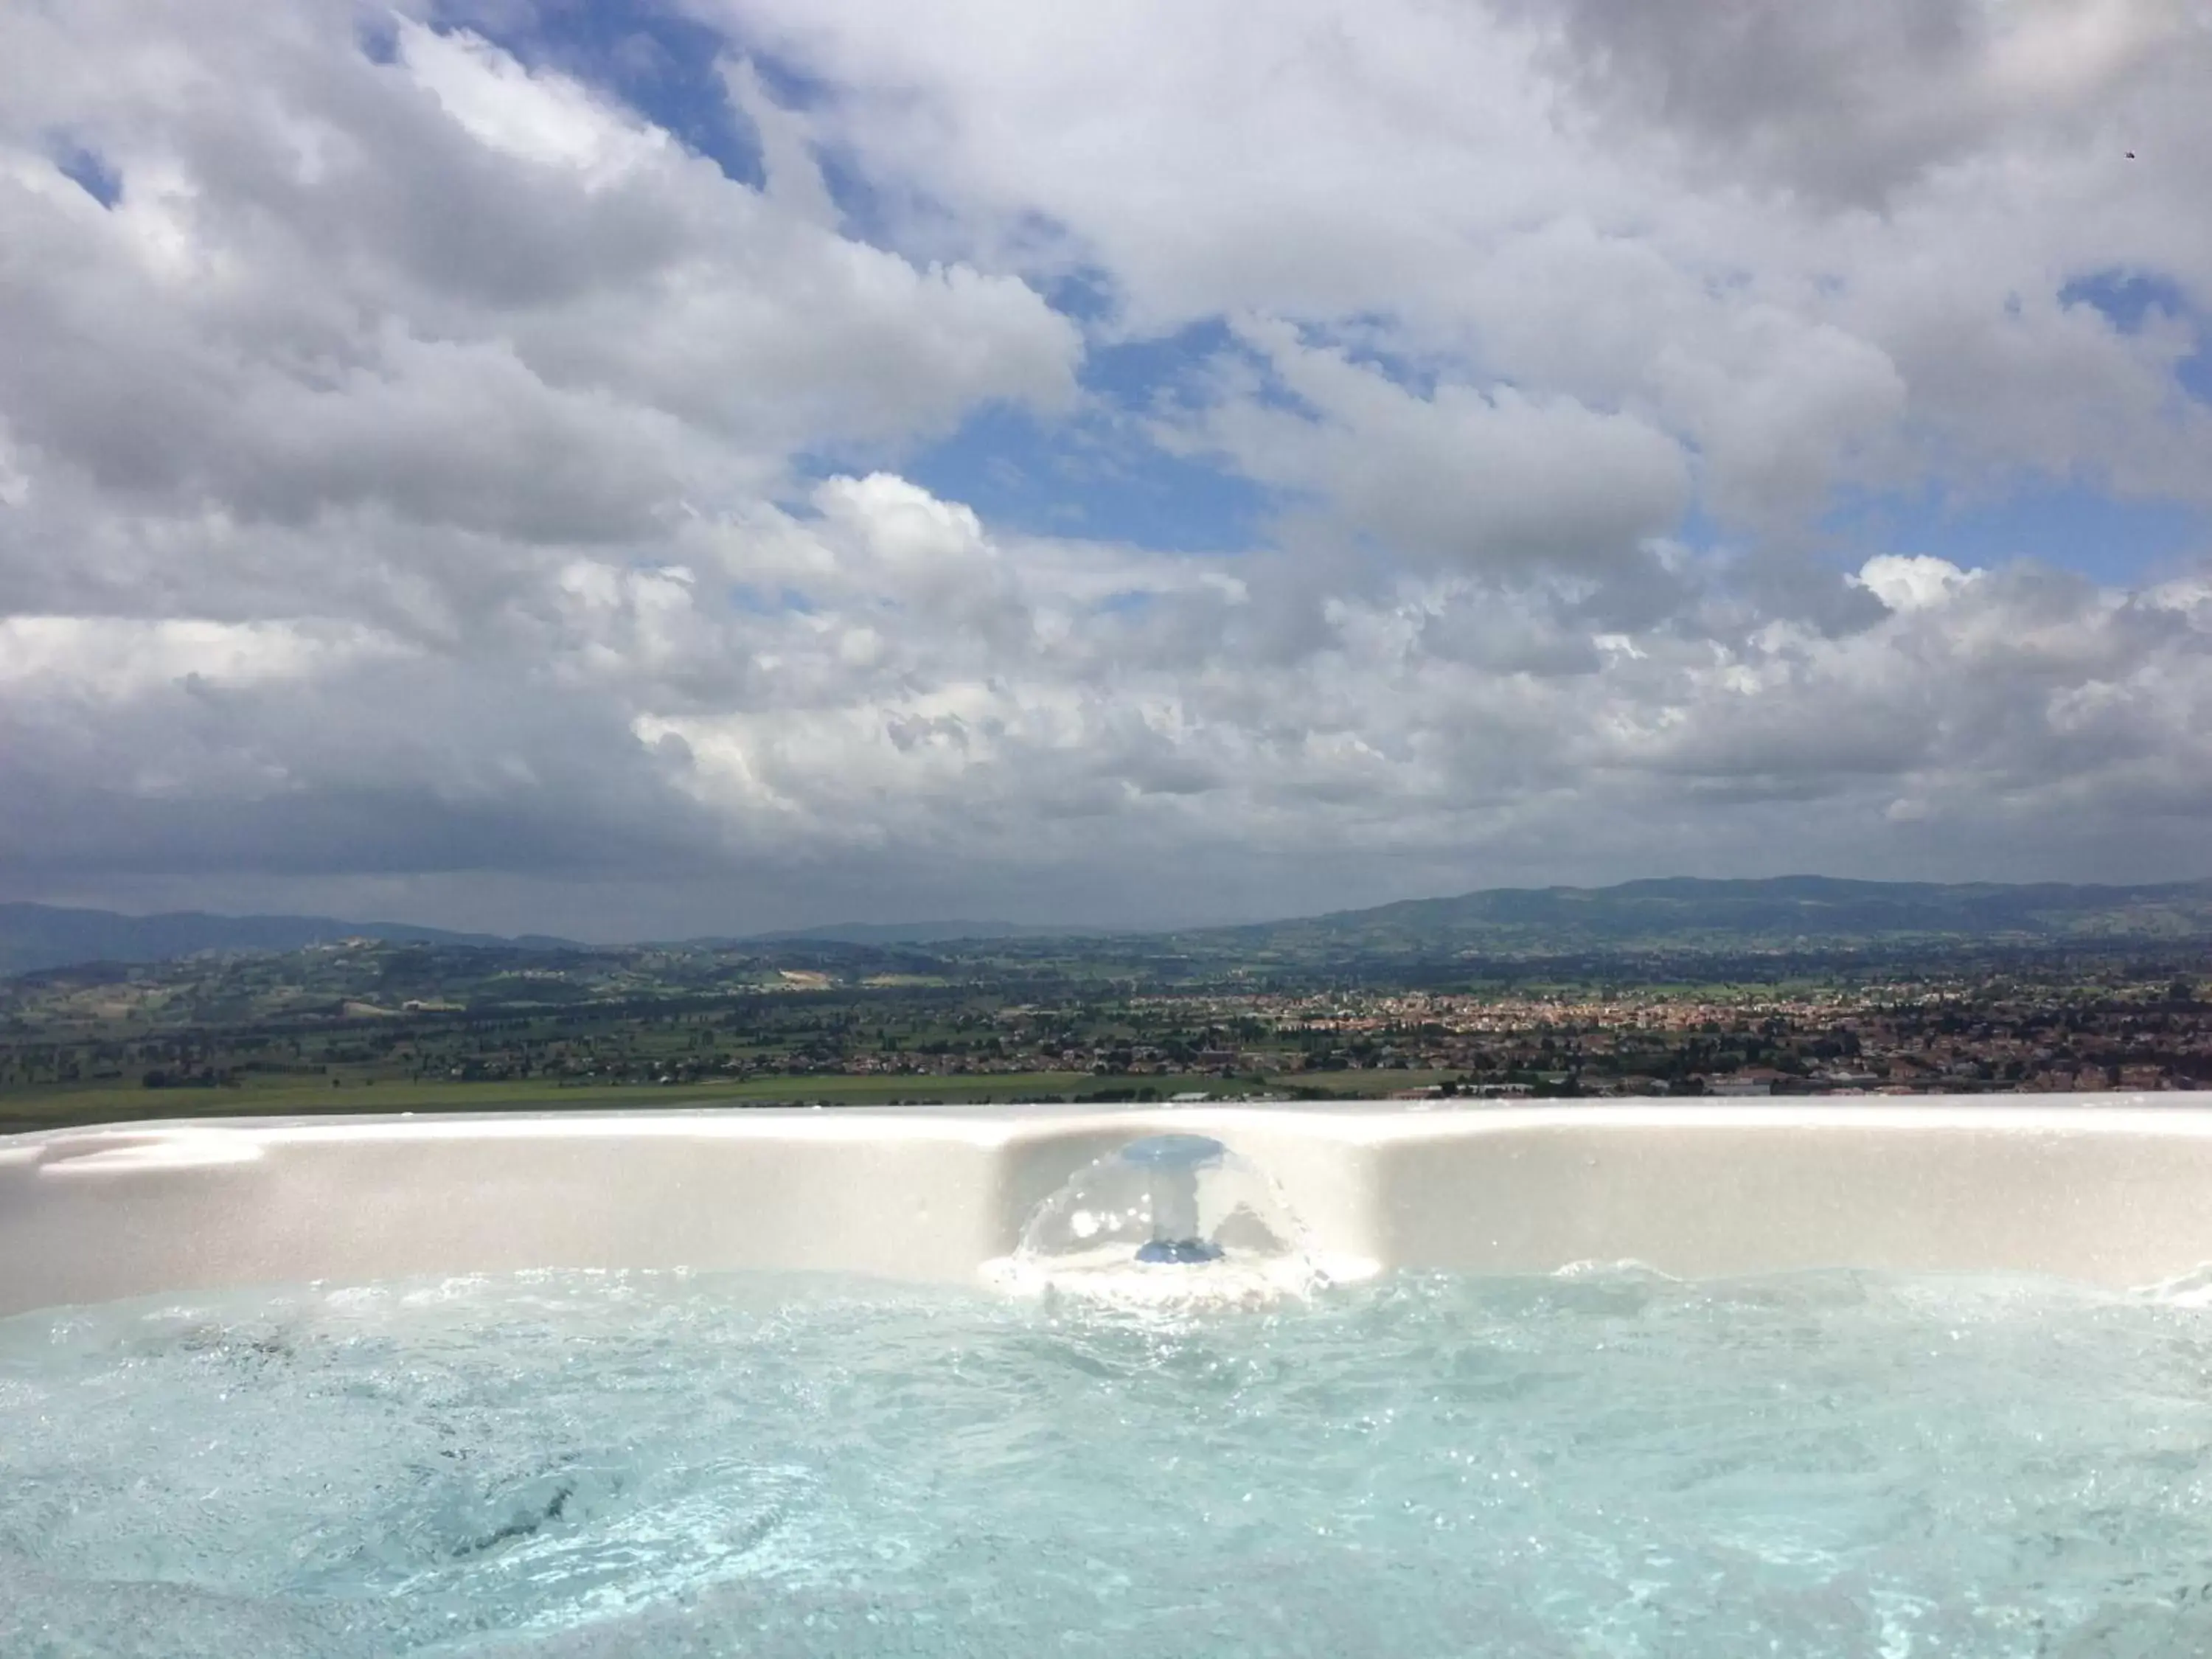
{"x": 1846, "y": 101}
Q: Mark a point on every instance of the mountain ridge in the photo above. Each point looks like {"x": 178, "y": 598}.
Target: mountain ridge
{"x": 1677, "y": 911}
{"x": 37, "y": 936}
{"x": 907, "y": 932}
{"x": 1771, "y": 911}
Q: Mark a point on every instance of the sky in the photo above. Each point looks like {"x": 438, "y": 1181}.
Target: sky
{"x": 673, "y": 466}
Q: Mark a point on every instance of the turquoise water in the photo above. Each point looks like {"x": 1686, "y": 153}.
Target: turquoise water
{"x": 1608, "y": 1464}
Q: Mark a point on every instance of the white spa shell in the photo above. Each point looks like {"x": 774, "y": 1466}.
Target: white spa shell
{"x": 2114, "y": 1189}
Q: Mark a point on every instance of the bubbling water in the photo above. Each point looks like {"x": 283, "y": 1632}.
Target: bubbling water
{"x": 1168, "y": 1219}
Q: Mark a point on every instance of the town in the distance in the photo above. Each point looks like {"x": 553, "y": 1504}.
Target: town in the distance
{"x": 1797, "y": 985}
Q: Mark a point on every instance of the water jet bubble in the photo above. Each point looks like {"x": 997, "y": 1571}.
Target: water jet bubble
{"x": 1165, "y": 1218}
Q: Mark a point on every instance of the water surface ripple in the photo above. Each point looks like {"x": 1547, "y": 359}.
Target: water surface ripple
{"x": 1603, "y": 1463}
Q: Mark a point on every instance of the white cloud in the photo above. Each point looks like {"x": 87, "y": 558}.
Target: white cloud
{"x": 1486, "y": 478}
{"x": 1654, "y": 209}
{"x": 1852, "y": 102}
{"x": 415, "y": 472}
{"x": 475, "y": 294}
{"x": 537, "y": 118}
{"x": 1911, "y": 582}
{"x": 115, "y": 659}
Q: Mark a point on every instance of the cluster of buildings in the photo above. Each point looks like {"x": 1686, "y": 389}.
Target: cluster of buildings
{"x": 1900, "y": 1037}
{"x": 1896, "y": 1038}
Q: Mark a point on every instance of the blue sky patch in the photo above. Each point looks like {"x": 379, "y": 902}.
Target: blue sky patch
{"x": 1101, "y": 472}
{"x": 663, "y": 64}
{"x": 88, "y": 170}
{"x": 1097, "y": 471}
{"x": 1085, "y": 293}
{"x": 2068, "y": 524}
{"x": 761, "y": 602}
{"x": 1363, "y": 341}
{"x": 378, "y": 37}
{"x": 653, "y": 58}
{"x": 2127, "y": 298}
{"x": 1097, "y": 476}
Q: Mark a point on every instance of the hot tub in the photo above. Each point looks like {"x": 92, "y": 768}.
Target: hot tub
{"x": 1826, "y": 1379}
{"x": 2115, "y": 1190}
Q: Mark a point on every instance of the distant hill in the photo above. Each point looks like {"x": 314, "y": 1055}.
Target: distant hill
{"x": 1784, "y": 914}
{"x": 1780, "y": 914}
{"x": 34, "y": 936}
{"x": 916, "y": 933}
